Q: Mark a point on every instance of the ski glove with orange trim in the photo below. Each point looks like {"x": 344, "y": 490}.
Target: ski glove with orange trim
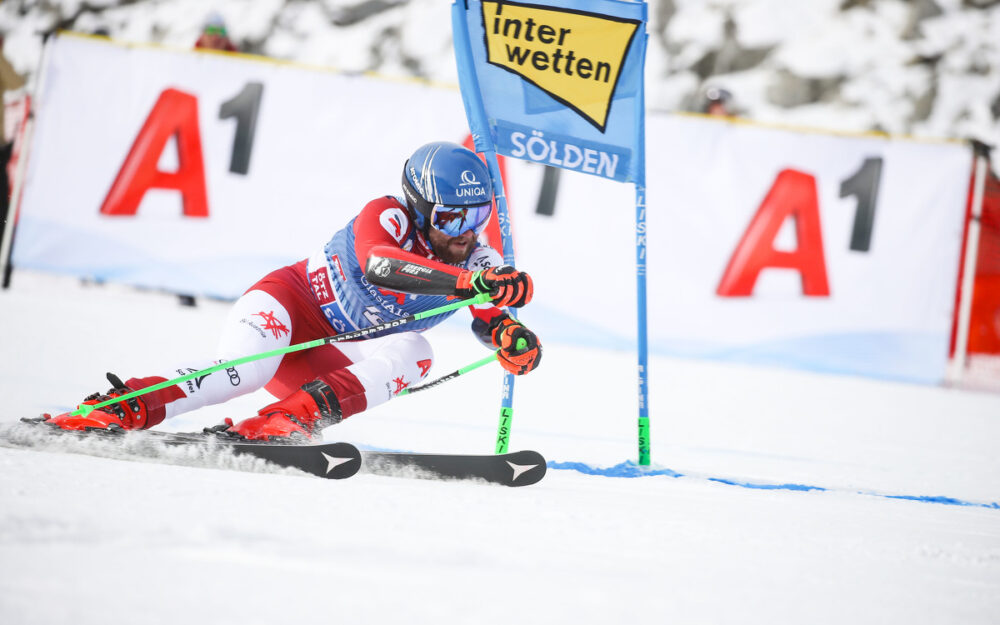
{"x": 520, "y": 350}
{"x": 506, "y": 285}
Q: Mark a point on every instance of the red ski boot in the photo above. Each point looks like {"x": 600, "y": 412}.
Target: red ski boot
{"x": 300, "y": 416}
{"x": 131, "y": 414}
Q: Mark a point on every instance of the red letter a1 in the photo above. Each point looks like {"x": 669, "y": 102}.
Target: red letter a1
{"x": 793, "y": 194}
{"x": 175, "y": 114}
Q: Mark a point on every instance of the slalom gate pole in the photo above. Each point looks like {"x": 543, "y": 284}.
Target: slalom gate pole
{"x": 450, "y": 376}
{"x": 643, "y": 340}
{"x": 503, "y": 217}
{"x": 475, "y": 112}
{"x": 482, "y": 298}
{"x": 641, "y": 265}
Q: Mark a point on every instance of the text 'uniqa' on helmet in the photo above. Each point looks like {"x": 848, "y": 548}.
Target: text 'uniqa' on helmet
{"x": 444, "y": 174}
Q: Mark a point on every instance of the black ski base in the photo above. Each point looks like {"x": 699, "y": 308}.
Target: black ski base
{"x": 520, "y": 468}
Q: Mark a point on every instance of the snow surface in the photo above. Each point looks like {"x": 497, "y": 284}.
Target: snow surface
{"x": 85, "y": 539}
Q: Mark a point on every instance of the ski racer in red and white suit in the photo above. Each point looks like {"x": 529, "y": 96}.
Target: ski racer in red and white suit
{"x": 329, "y": 293}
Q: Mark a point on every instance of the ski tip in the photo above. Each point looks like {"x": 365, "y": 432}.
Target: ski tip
{"x": 343, "y": 461}
{"x": 528, "y": 467}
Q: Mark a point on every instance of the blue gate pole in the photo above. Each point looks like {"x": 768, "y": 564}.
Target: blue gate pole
{"x": 640, "y": 266}
{"x": 506, "y": 237}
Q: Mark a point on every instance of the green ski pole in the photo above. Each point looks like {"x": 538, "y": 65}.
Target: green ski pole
{"x": 482, "y": 298}
{"x": 450, "y": 376}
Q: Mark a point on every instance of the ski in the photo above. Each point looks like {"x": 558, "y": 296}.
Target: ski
{"x": 334, "y": 461}
{"x": 520, "y": 468}
{"x": 328, "y": 460}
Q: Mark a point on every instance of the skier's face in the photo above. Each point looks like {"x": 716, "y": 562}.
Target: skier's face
{"x": 452, "y": 249}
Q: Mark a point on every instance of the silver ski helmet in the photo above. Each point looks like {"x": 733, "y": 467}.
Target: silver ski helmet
{"x": 448, "y": 187}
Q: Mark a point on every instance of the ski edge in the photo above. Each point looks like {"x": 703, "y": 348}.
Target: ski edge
{"x": 520, "y": 468}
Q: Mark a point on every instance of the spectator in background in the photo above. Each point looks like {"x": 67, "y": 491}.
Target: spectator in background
{"x": 9, "y": 80}
{"x": 214, "y": 35}
{"x": 718, "y": 102}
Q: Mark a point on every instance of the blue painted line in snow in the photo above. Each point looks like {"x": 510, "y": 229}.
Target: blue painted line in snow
{"x": 631, "y": 469}
{"x": 625, "y": 469}
{"x": 948, "y": 501}
{"x": 798, "y": 487}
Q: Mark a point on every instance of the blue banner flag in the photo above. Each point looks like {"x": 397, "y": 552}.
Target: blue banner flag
{"x": 557, "y": 82}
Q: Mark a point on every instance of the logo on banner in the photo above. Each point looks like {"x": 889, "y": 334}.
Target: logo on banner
{"x": 175, "y": 115}
{"x": 573, "y": 56}
{"x": 793, "y": 197}
{"x": 561, "y": 151}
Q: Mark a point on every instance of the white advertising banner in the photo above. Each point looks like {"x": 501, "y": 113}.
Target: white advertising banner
{"x": 830, "y": 253}
{"x": 199, "y": 173}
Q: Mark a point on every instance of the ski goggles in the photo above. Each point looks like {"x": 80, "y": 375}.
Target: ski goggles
{"x": 454, "y": 220}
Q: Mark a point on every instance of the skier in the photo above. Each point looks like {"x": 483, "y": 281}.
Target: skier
{"x": 447, "y": 201}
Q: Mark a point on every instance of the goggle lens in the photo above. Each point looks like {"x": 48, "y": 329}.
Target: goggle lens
{"x": 454, "y": 220}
